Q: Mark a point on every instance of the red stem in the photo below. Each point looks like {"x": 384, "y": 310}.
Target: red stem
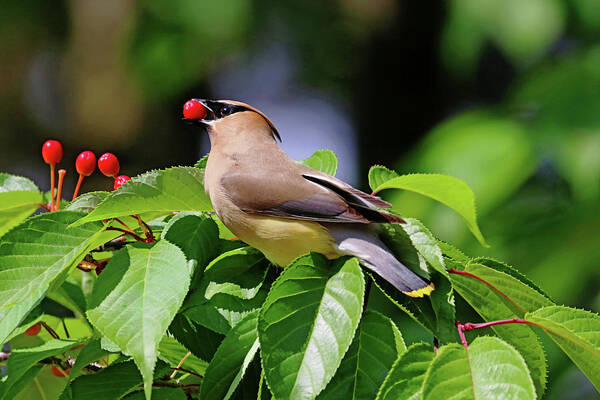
{"x": 76, "y": 191}
{"x": 135, "y": 236}
{"x": 61, "y": 177}
{"x": 465, "y": 273}
{"x": 52, "y": 182}
{"x": 469, "y": 326}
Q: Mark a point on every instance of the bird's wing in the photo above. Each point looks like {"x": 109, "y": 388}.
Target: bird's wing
{"x": 297, "y": 194}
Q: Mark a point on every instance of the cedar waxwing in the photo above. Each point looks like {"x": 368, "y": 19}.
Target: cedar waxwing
{"x": 286, "y": 209}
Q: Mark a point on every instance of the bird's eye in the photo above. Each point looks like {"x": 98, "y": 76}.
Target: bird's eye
{"x": 225, "y": 110}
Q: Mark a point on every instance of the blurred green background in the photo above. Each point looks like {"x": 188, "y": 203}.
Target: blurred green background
{"x": 504, "y": 94}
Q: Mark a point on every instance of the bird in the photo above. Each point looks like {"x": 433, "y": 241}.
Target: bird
{"x": 286, "y": 209}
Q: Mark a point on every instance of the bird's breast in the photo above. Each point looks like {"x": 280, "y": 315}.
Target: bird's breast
{"x": 280, "y": 239}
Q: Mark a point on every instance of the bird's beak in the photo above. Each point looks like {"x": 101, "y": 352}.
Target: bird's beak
{"x": 210, "y": 115}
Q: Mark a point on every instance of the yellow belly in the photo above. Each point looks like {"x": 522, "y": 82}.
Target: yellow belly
{"x": 282, "y": 240}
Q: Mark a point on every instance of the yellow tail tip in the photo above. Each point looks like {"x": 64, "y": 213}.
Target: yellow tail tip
{"x": 425, "y": 291}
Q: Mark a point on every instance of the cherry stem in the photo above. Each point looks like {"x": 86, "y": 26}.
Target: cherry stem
{"x": 61, "y": 178}
{"x": 501, "y": 293}
{"x": 45, "y": 207}
{"x": 135, "y": 236}
{"x": 124, "y": 224}
{"x": 186, "y": 371}
{"x": 51, "y": 331}
{"x": 52, "y": 182}
{"x": 65, "y": 328}
{"x": 145, "y": 228}
{"x": 180, "y": 364}
{"x": 76, "y": 191}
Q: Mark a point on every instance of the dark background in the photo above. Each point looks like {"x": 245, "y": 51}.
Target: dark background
{"x": 504, "y": 94}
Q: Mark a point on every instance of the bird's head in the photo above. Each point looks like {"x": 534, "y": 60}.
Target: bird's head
{"x": 228, "y": 118}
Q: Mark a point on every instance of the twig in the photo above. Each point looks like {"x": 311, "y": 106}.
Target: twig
{"x": 145, "y": 228}
{"x": 65, "y": 328}
{"x": 134, "y": 235}
{"x": 469, "y": 326}
{"x": 187, "y": 371}
{"x": 179, "y": 365}
{"x": 51, "y": 331}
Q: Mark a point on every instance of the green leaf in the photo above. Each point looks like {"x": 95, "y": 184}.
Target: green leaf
{"x": 405, "y": 379}
{"x": 110, "y": 383}
{"x": 493, "y": 306}
{"x": 238, "y": 272}
{"x": 21, "y": 360}
{"x": 307, "y": 323}
{"x": 70, "y": 296}
{"x": 322, "y": 160}
{"x": 425, "y": 243}
{"x": 223, "y": 311}
{"x": 232, "y": 287}
{"x": 376, "y": 346}
{"x": 492, "y": 370}
{"x": 448, "y": 190}
{"x": 23, "y": 382}
{"x": 91, "y": 352}
{"x": 162, "y": 393}
{"x": 36, "y": 256}
{"x": 378, "y": 175}
{"x": 229, "y": 364}
{"x": 201, "y": 341}
{"x": 164, "y": 191}
{"x": 172, "y": 352}
{"x": 452, "y": 252}
{"x": 194, "y": 233}
{"x": 87, "y": 201}
{"x": 136, "y": 313}
{"x": 19, "y": 198}
{"x": 577, "y": 333}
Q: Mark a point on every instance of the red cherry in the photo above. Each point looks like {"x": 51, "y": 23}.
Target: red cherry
{"x": 52, "y": 152}
{"x": 108, "y": 164}
{"x": 57, "y": 372}
{"x": 85, "y": 163}
{"x": 121, "y": 179}
{"x": 33, "y": 330}
{"x": 193, "y": 109}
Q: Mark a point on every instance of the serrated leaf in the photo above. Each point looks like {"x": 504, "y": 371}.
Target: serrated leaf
{"x": 37, "y": 255}
{"x": 378, "y": 175}
{"x": 201, "y": 341}
{"x": 150, "y": 300}
{"x": 23, "y": 382}
{"x": 434, "y": 312}
{"x": 223, "y": 311}
{"x": 197, "y": 235}
{"x": 307, "y": 324}
{"x": 168, "y": 190}
{"x": 172, "y": 352}
{"x": 19, "y": 198}
{"x": 231, "y": 360}
{"x": 21, "y": 360}
{"x": 452, "y": 252}
{"x": 405, "y": 379}
{"x": 425, "y": 243}
{"x": 507, "y": 269}
{"x": 492, "y": 370}
{"x": 376, "y": 346}
{"x": 91, "y": 352}
{"x": 240, "y": 273}
{"x": 577, "y": 333}
{"x": 87, "y": 201}
{"x": 493, "y": 306}
{"x": 448, "y": 190}
{"x": 322, "y": 160}
{"x": 70, "y": 296}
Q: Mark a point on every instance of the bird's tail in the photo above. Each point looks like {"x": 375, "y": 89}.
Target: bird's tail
{"x": 376, "y": 256}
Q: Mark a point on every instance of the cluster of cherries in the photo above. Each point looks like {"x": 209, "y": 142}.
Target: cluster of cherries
{"x": 85, "y": 165}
